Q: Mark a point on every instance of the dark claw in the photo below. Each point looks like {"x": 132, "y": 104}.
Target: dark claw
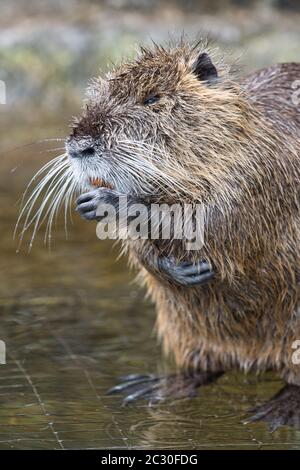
{"x": 87, "y": 210}
{"x": 188, "y": 268}
{"x": 88, "y": 203}
{"x": 159, "y": 388}
{"x": 186, "y": 273}
{"x": 282, "y": 409}
{"x": 130, "y": 377}
{"x": 87, "y": 206}
{"x": 131, "y": 383}
{"x": 85, "y": 197}
{"x": 144, "y": 392}
{"x": 200, "y": 279}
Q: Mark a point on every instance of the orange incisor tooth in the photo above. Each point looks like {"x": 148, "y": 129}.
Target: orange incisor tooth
{"x": 99, "y": 183}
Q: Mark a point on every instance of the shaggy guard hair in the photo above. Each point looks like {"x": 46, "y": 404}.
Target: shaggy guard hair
{"x": 176, "y": 124}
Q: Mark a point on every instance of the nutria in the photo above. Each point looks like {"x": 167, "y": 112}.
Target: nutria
{"x": 178, "y": 126}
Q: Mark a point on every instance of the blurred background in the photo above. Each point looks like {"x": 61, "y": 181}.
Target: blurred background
{"x": 71, "y": 317}
{"x": 49, "y": 49}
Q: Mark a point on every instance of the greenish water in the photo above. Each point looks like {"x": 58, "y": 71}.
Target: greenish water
{"x": 73, "y": 322}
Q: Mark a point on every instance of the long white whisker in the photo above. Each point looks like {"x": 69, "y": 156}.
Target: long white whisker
{"x": 55, "y": 162}
{"x": 37, "y": 216}
{"x": 55, "y": 149}
{"x": 68, "y": 199}
{"x": 56, "y": 202}
{"x": 53, "y": 193}
{"x": 53, "y": 174}
{"x": 58, "y": 184}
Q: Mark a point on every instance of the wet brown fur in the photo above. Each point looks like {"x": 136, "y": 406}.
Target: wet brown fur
{"x": 234, "y": 147}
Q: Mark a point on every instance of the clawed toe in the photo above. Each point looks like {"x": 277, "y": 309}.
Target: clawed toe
{"x": 131, "y": 377}
{"x": 131, "y": 382}
{"x": 283, "y": 409}
{"x": 135, "y": 387}
{"x": 160, "y": 388}
{"x": 186, "y": 273}
{"x": 87, "y": 209}
{"x": 146, "y": 392}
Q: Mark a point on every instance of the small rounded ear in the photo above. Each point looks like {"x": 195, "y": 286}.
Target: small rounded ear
{"x": 204, "y": 69}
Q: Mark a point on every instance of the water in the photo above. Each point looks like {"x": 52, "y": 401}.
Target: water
{"x": 74, "y": 321}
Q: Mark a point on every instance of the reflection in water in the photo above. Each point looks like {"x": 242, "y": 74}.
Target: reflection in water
{"x": 73, "y": 322}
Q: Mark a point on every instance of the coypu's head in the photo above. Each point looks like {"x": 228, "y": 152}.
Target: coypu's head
{"x": 149, "y": 125}
{"x": 172, "y": 124}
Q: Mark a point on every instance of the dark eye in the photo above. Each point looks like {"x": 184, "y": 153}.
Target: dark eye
{"x": 151, "y": 99}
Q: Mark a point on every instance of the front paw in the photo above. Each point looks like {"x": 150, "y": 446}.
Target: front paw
{"x": 88, "y": 204}
{"x": 185, "y": 273}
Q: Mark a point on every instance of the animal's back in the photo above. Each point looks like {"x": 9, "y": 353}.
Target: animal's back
{"x": 275, "y": 91}
{"x": 225, "y": 316}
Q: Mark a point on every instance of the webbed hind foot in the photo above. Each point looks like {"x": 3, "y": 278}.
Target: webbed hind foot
{"x": 156, "y": 389}
{"x": 283, "y": 409}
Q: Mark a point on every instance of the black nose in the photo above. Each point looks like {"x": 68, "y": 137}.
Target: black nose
{"x": 87, "y": 152}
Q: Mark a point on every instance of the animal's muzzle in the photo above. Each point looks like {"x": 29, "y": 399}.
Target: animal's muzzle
{"x": 82, "y": 153}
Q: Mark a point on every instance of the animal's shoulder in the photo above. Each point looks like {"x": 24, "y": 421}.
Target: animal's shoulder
{"x": 275, "y": 91}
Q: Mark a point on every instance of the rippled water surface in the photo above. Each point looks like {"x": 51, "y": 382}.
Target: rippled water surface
{"x": 73, "y": 322}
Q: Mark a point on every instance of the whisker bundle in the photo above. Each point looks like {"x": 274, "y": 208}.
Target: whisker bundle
{"x": 55, "y": 185}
